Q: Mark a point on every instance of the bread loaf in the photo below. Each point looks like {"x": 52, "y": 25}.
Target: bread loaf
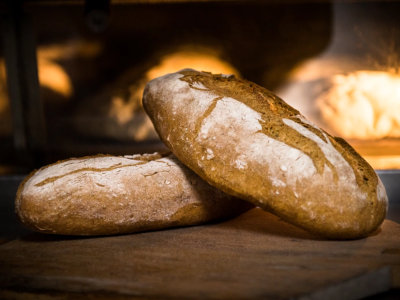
{"x": 246, "y": 141}
{"x": 110, "y": 195}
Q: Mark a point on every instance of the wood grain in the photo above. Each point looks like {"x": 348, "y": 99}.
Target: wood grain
{"x": 255, "y": 255}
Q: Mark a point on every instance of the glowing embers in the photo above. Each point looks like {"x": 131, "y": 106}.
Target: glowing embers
{"x": 362, "y": 105}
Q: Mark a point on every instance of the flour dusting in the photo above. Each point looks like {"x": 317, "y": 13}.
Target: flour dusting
{"x": 238, "y": 128}
{"x": 240, "y": 164}
{"x": 210, "y": 154}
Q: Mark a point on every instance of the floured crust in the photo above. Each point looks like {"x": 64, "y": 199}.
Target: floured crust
{"x": 102, "y": 195}
{"x": 246, "y": 141}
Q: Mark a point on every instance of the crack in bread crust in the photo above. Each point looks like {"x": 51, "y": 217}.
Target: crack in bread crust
{"x": 208, "y": 112}
{"x": 91, "y": 169}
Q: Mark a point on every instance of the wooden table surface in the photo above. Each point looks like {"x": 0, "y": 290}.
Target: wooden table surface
{"x": 255, "y": 255}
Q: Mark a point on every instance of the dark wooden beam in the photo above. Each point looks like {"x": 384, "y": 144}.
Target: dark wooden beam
{"x": 23, "y": 85}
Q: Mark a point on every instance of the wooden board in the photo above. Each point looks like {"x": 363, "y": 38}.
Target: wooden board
{"x": 255, "y": 255}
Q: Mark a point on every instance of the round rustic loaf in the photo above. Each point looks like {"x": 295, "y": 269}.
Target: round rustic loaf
{"x": 246, "y": 141}
{"x": 103, "y": 195}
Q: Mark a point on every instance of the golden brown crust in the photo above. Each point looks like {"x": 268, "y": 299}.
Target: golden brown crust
{"x": 246, "y": 141}
{"x": 106, "y": 194}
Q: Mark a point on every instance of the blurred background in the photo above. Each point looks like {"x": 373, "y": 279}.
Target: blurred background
{"x": 72, "y": 73}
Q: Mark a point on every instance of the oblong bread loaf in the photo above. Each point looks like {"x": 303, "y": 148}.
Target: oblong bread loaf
{"x": 246, "y": 141}
{"x": 104, "y": 195}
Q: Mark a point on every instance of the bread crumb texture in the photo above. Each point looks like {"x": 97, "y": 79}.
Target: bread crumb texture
{"x": 246, "y": 141}
{"x": 110, "y": 195}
